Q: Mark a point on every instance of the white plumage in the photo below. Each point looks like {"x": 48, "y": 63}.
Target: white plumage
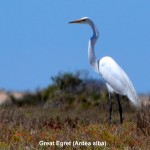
{"x": 116, "y": 79}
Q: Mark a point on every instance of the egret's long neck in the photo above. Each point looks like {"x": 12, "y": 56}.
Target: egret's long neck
{"x": 91, "y": 55}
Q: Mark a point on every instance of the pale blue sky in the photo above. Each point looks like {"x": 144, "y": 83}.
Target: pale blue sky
{"x": 37, "y": 42}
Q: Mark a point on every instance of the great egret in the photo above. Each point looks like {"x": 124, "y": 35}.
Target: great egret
{"x": 116, "y": 79}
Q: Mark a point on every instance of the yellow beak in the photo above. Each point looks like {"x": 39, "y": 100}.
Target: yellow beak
{"x": 76, "y": 21}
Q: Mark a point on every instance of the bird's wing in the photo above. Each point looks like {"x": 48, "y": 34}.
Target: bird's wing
{"x": 117, "y": 79}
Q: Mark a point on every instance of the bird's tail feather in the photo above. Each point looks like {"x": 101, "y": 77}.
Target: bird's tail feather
{"x": 133, "y": 97}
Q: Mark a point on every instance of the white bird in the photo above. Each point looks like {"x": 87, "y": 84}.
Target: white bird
{"x": 116, "y": 79}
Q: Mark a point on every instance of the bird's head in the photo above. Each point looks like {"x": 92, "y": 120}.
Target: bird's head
{"x": 84, "y": 20}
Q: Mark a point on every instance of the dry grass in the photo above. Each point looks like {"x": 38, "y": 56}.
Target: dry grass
{"x": 72, "y": 110}
{"x": 24, "y": 127}
{"x": 143, "y": 120}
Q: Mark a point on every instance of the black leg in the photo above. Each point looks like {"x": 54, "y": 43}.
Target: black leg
{"x": 120, "y": 109}
{"x": 110, "y": 109}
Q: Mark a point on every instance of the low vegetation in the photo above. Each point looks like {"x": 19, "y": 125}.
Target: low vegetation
{"x": 73, "y": 108}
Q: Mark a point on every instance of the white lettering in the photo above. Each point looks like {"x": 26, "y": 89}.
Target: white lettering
{"x": 98, "y": 143}
{"x": 83, "y": 143}
{"x": 42, "y": 143}
{"x": 61, "y": 144}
